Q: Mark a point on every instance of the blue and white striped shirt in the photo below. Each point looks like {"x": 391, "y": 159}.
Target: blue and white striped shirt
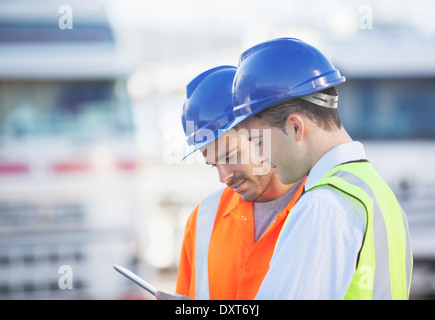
{"x": 316, "y": 254}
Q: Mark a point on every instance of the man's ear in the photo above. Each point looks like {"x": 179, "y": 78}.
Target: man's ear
{"x": 295, "y": 126}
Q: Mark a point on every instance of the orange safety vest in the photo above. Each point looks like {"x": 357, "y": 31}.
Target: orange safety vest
{"x": 236, "y": 264}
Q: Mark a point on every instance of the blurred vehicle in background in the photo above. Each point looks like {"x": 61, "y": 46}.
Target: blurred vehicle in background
{"x": 68, "y": 165}
{"x": 388, "y": 103}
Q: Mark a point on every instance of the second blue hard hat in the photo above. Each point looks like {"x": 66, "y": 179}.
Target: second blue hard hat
{"x": 208, "y": 109}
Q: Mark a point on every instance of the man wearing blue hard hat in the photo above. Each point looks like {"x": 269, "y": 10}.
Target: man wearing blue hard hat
{"x": 347, "y": 236}
{"x": 230, "y": 236}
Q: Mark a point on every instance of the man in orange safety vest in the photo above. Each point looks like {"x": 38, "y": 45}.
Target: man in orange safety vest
{"x": 230, "y": 236}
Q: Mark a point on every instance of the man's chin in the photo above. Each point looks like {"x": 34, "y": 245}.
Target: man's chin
{"x": 248, "y": 196}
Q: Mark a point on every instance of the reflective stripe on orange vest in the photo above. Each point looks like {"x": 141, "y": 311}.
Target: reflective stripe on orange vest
{"x": 204, "y": 228}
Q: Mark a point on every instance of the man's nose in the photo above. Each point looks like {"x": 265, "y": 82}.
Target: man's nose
{"x": 225, "y": 173}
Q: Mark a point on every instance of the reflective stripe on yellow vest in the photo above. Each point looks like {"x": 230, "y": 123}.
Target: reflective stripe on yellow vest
{"x": 385, "y": 261}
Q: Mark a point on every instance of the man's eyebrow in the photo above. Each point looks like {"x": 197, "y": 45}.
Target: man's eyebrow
{"x": 225, "y": 157}
{"x": 250, "y": 138}
{"x": 219, "y": 158}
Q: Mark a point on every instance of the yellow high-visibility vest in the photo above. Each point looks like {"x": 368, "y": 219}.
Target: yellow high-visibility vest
{"x": 385, "y": 261}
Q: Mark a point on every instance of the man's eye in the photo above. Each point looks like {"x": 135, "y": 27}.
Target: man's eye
{"x": 232, "y": 158}
{"x": 259, "y": 143}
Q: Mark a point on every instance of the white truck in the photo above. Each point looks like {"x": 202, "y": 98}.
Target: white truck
{"x": 388, "y": 103}
{"x": 69, "y": 195}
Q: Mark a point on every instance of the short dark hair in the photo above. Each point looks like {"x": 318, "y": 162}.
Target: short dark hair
{"x": 326, "y": 118}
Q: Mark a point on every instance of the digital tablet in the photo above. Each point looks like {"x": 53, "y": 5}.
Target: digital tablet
{"x": 136, "y": 279}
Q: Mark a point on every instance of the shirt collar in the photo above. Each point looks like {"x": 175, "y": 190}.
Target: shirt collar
{"x": 350, "y": 151}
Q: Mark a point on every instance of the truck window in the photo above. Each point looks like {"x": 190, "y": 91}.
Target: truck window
{"x": 63, "y": 107}
{"x": 388, "y": 108}
{"x": 37, "y": 32}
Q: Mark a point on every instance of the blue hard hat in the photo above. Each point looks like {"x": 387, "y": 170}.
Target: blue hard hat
{"x": 278, "y": 70}
{"x": 208, "y": 108}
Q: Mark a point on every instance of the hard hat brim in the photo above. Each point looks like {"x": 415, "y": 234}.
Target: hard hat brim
{"x": 245, "y": 111}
